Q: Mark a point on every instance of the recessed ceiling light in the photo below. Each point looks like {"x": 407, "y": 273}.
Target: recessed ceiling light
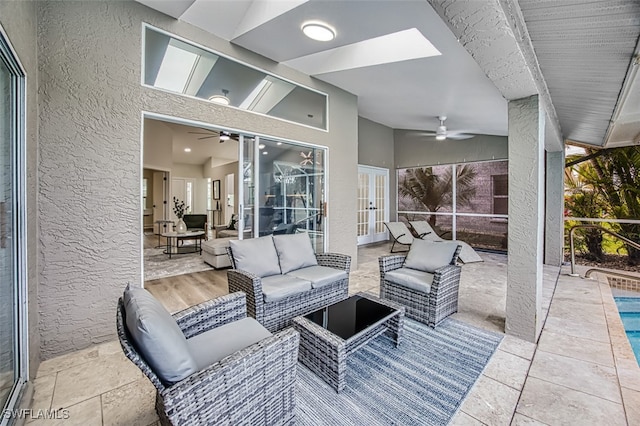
{"x": 318, "y": 31}
{"x": 279, "y": 143}
{"x": 187, "y": 150}
{"x": 264, "y": 152}
{"x": 261, "y": 146}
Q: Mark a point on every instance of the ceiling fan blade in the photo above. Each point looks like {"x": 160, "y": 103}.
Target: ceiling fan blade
{"x": 460, "y": 136}
{"x": 421, "y": 134}
{"x": 208, "y": 137}
{"x": 201, "y": 133}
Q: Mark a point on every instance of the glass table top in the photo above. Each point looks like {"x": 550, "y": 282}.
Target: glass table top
{"x": 348, "y": 317}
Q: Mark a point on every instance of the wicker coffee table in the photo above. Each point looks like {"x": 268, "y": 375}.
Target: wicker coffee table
{"x": 328, "y": 336}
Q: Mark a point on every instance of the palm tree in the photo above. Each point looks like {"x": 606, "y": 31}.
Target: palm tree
{"x": 608, "y": 185}
{"x": 433, "y": 192}
{"x": 618, "y": 179}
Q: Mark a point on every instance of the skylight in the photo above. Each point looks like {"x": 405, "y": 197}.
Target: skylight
{"x": 175, "y": 69}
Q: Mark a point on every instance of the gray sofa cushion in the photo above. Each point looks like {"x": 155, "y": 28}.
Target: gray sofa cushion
{"x": 319, "y": 275}
{"x": 157, "y": 336}
{"x": 256, "y": 255}
{"x": 294, "y": 251}
{"x": 428, "y": 256}
{"x": 411, "y": 278}
{"x": 278, "y": 287}
{"x": 211, "y": 346}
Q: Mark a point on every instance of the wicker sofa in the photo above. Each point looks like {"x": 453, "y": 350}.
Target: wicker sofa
{"x": 283, "y": 277}
{"x": 425, "y": 281}
{"x": 261, "y": 390}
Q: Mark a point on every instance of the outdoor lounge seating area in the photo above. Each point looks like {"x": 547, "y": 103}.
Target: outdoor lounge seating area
{"x": 99, "y": 385}
{"x": 320, "y": 212}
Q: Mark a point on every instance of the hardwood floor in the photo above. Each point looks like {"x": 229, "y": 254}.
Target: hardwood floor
{"x": 182, "y": 291}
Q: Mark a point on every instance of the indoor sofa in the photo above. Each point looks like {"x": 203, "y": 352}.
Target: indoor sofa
{"x": 283, "y": 277}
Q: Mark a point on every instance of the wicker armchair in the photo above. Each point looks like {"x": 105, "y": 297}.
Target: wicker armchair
{"x": 255, "y": 385}
{"x": 426, "y": 307}
{"x": 277, "y": 315}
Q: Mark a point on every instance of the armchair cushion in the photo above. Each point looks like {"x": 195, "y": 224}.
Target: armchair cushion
{"x": 294, "y": 251}
{"x": 411, "y": 278}
{"x": 319, "y": 275}
{"x": 427, "y": 256}
{"x": 256, "y": 255}
{"x": 157, "y": 336}
{"x": 278, "y": 287}
{"x": 211, "y": 346}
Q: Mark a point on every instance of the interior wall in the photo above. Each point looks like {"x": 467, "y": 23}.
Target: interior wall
{"x": 90, "y": 125}
{"x": 376, "y": 148}
{"x": 412, "y": 151}
{"x": 18, "y": 19}
{"x": 159, "y": 136}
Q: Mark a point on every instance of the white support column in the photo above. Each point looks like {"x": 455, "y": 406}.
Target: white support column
{"x": 554, "y": 218}
{"x": 526, "y": 218}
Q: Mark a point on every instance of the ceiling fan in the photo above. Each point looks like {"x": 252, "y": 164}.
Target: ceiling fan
{"x": 442, "y": 133}
{"x": 222, "y": 135}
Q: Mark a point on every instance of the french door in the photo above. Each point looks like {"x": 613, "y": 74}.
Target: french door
{"x": 373, "y": 204}
{"x": 13, "y": 325}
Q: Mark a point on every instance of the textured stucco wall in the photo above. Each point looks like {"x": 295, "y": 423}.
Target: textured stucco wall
{"x": 18, "y": 19}
{"x": 90, "y": 167}
{"x": 526, "y": 218}
{"x": 376, "y": 148}
{"x": 554, "y": 206}
{"x": 412, "y": 151}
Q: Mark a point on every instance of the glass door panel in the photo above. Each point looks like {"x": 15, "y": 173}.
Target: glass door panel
{"x": 290, "y": 195}
{"x": 8, "y": 314}
{"x": 373, "y": 204}
{"x": 247, "y": 187}
{"x": 13, "y": 333}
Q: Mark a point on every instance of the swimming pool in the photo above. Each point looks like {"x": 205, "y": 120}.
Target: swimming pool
{"x": 629, "y": 308}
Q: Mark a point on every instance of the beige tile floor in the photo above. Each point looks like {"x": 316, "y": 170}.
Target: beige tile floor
{"x": 581, "y": 372}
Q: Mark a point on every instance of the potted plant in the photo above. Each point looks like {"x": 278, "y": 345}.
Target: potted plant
{"x": 178, "y": 210}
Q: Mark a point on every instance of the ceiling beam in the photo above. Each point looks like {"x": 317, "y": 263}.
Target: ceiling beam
{"x": 495, "y": 35}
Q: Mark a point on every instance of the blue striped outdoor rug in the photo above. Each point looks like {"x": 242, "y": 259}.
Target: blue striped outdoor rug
{"x": 423, "y": 382}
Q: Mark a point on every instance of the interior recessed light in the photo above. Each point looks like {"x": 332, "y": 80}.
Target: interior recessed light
{"x": 264, "y": 152}
{"x": 261, "y": 146}
{"x": 279, "y": 143}
{"x": 318, "y": 31}
{"x": 187, "y": 150}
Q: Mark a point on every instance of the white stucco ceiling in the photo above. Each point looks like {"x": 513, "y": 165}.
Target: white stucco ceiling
{"x": 407, "y": 90}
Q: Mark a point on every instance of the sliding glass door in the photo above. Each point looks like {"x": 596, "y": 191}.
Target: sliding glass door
{"x": 13, "y": 354}
{"x": 284, "y": 189}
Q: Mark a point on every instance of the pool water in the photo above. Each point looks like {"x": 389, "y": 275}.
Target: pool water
{"x": 629, "y": 308}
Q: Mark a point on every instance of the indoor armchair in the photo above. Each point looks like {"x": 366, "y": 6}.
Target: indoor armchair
{"x": 426, "y": 281}
{"x": 209, "y": 363}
